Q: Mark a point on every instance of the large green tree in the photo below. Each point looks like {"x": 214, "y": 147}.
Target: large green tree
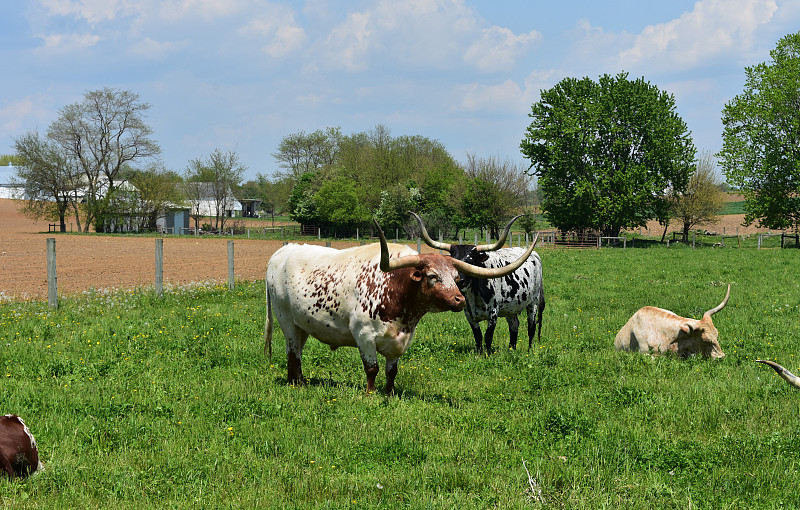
{"x": 761, "y": 138}
{"x": 606, "y": 152}
{"x": 338, "y": 203}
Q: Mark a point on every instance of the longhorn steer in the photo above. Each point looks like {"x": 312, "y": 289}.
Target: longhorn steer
{"x": 370, "y": 297}
{"x": 787, "y": 376}
{"x": 19, "y": 455}
{"x": 655, "y": 330}
{"x": 503, "y": 297}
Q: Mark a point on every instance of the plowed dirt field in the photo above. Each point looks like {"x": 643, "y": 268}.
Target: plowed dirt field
{"x": 87, "y": 262}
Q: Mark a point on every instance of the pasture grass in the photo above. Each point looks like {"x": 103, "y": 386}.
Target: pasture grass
{"x": 145, "y": 402}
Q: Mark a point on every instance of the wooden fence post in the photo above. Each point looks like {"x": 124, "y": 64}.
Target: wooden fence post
{"x": 159, "y": 267}
{"x": 52, "y": 279}
{"x": 419, "y": 245}
{"x": 230, "y": 265}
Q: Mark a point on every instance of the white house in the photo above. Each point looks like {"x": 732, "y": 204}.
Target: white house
{"x": 200, "y": 197}
{"x": 7, "y": 189}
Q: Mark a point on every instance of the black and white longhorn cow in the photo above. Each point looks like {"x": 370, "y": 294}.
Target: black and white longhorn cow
{"x": 502, "y": 297}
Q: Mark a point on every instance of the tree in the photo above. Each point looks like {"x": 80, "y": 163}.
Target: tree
{"x": 156, "y": 191}
{"x": 396, "y": 201}
{"x": 300, "y": 153}
{"x": 194, "y": 194}
{"x": 496, "y": 189}
{"x": 338, "y": 203}
{"x": 761, "y": 138}
{"x": 273, "y": 193}
{"x": 222, "y": 172}
{"x": 302, "y": 207}
{"x": 103, "y": 133}
{"x": 606, "y": 152}
{"x": 50, "y": 178}
{"x": 702, "y": 200}
{"x": 10, "y": 159}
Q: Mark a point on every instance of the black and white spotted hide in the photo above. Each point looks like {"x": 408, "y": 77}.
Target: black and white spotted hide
{"x": 504, "y": 297}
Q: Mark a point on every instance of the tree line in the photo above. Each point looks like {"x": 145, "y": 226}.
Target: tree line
{"x": 609, "y": 155}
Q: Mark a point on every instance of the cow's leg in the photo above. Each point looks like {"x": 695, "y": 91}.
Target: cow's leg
{"x": 476, "y": 332}
{"x": 489, "y": 336}
{"x": 513, "y": 330}
{"x": 533, "y": 314}
{"x": 391, "y": 373}
{"x": 539, "y": 313}
{"x": 369, "y": 357}
{"x": 295, "y": 341}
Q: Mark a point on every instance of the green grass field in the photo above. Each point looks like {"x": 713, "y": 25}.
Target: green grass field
{"x": 141, "y": 402}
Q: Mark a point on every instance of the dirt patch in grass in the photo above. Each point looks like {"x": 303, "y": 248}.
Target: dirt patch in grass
{"x": 100, "y": 262}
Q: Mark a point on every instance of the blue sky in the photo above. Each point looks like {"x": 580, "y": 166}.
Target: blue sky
{"x": 241, "y": 74}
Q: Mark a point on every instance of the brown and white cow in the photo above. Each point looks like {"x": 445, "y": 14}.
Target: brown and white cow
{"x": 19, "y": 455}
{"x": 654, "y": 330}
{"x": 370, "y": 297}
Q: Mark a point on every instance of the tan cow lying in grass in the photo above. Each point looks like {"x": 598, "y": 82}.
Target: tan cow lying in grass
{"x": 654, "y": 330}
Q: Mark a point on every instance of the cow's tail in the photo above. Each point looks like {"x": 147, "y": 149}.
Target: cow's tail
{"x": 269, "y": 323}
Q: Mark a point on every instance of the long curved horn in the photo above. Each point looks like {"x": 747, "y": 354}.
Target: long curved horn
{"x": 787, "y": 376}
{"x": 500, "y": 242}
{"x": 387, "y": 264}
{"x": 721, "y": 305}
{"x": 425, "y": 237}
{"x": 486, "y": 272}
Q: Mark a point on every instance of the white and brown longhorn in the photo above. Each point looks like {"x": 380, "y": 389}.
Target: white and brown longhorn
{"x": 370, "y": 297}
{"x": 487, "y": 300}
{"x": 787, "y": 376}
{"x": 654, "y": 330}
{"x": 19, "y": 455}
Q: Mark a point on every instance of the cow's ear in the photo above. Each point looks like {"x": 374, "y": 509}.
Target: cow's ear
{"x": 686, "y": 328}
{"x": 417, "y": 275}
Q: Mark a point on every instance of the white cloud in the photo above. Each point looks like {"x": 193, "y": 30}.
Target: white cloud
{"x": 712, "y": 28}
{"x": 206, "y": 9}
{"x": 93, "y": 11}
{"x": 21, "y": 113}
{"x": 348, "y": 43}
{"x": 279, "y": 28}
{"x": 509, "y": 96}
{"x": 498, "y": 47}
{"x": 68, "y": 43}
{"x": 422, "y": 34}
{"x": 98, "y": 11}
{"x": 155, "y": 50}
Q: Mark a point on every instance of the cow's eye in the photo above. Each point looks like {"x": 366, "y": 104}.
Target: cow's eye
{"x": 433, "y": 279}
